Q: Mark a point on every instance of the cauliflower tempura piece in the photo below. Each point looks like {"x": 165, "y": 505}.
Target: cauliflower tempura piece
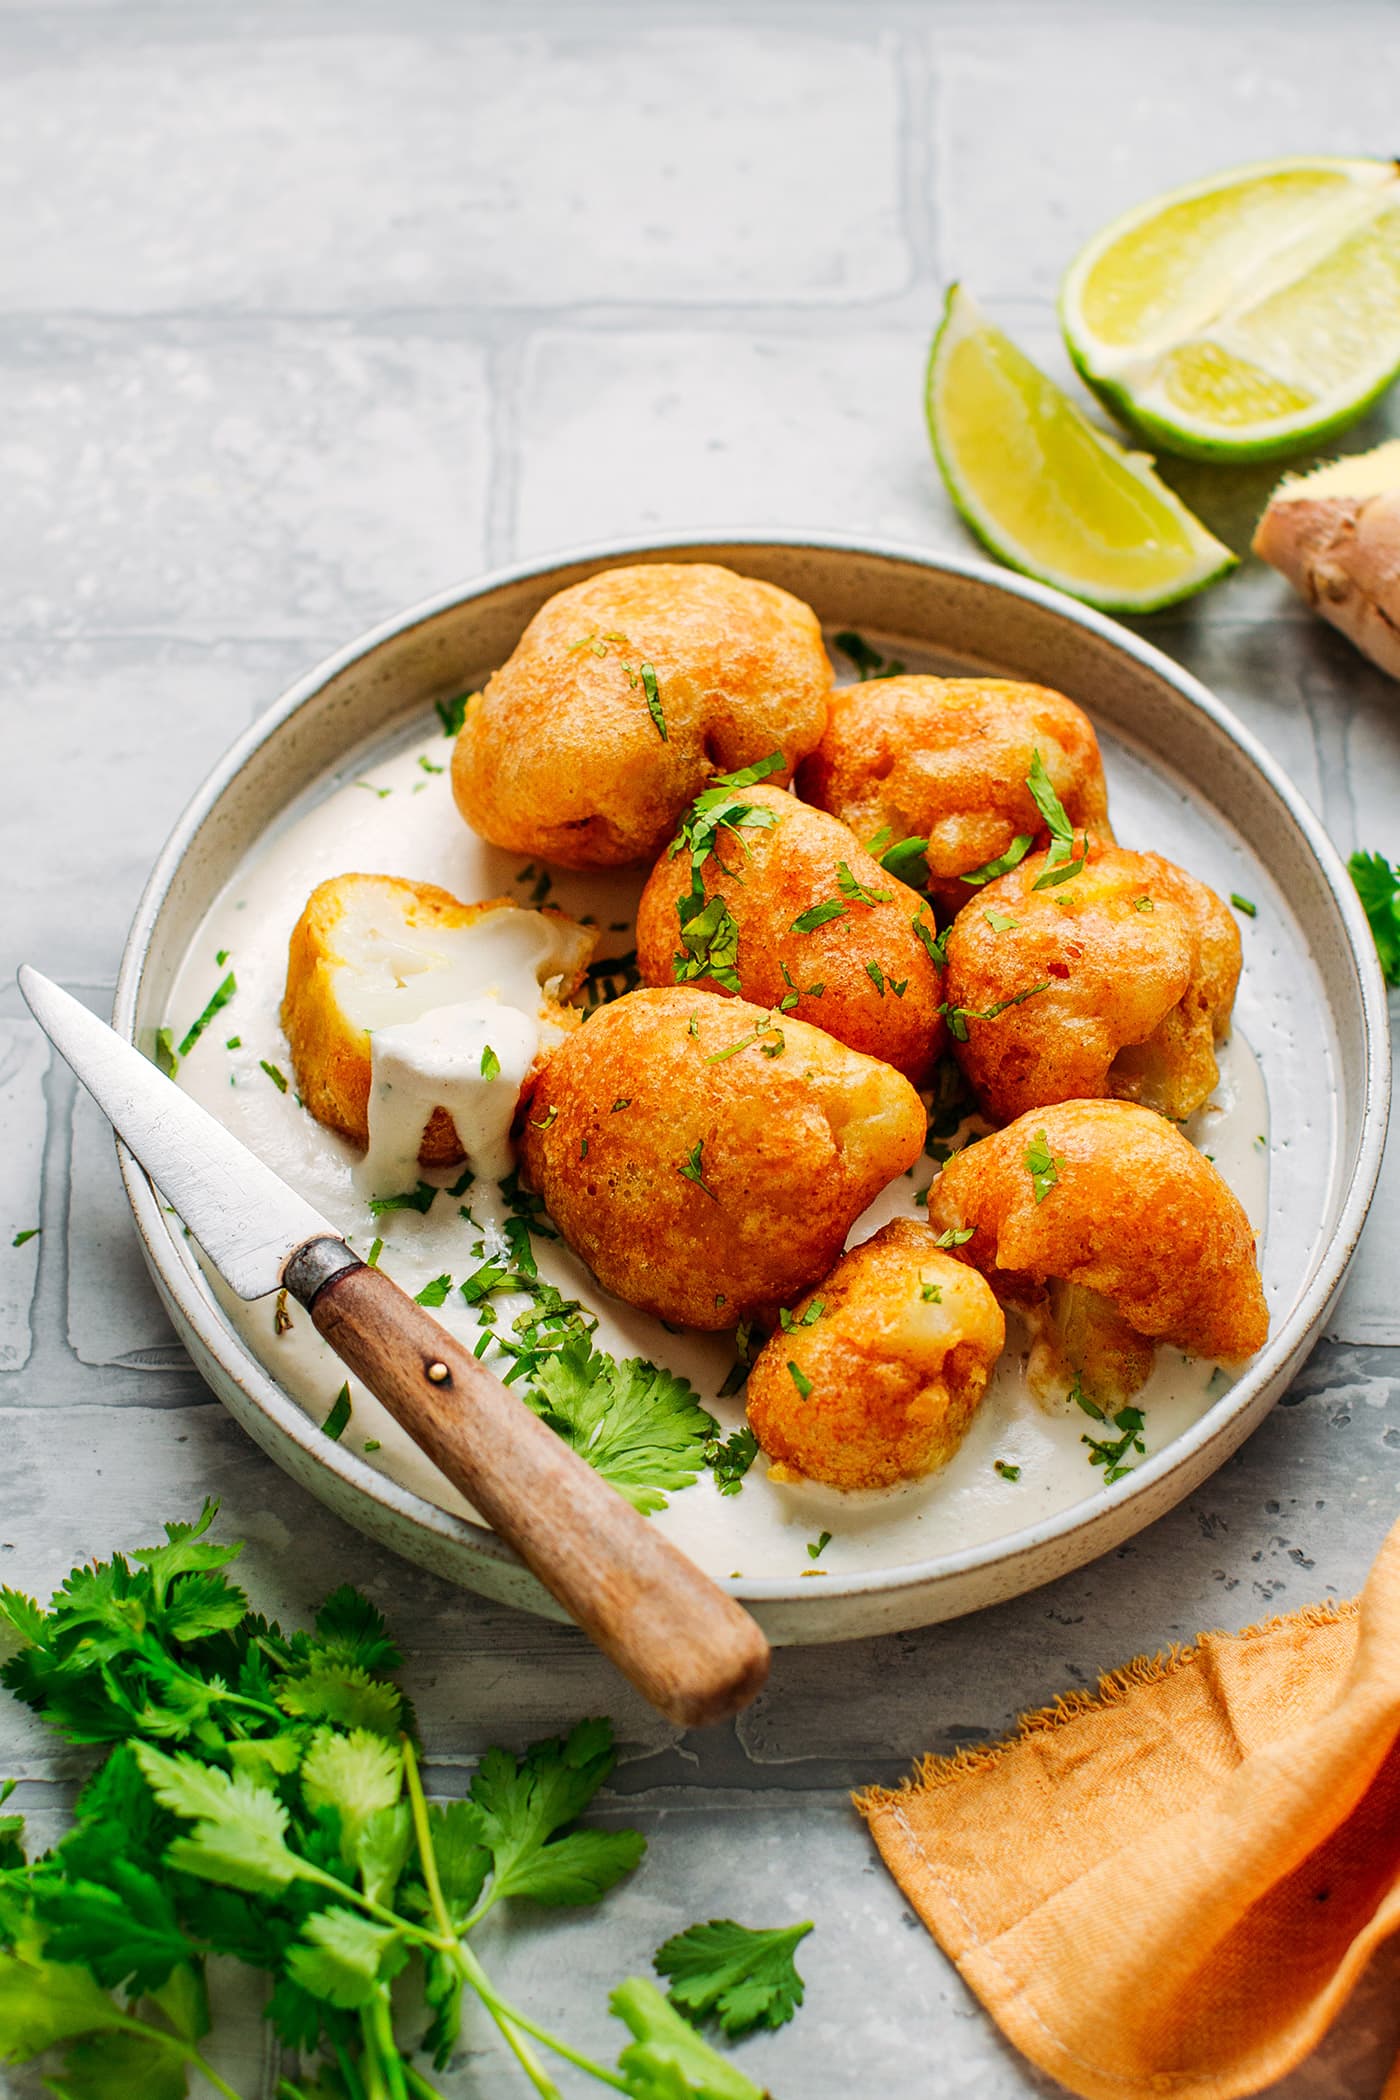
{"x": 946, "y": 759}
{"x": 1119, "y": 982}
{"x": 621, "y": 698}
{"x": 764, "y": 896}
{"x": 374, "y": 958}
{"x": 706, "y": 1157}
{"x": 1113, "y": 1233}
{"x": 881, "y": 1368}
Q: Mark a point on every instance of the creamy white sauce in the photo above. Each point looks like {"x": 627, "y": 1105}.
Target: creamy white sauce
{"x": 414, "y": 830}
{"x": 472, "y": 1060}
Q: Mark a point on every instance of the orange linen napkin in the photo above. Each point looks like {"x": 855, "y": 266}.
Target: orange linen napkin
{"x": 1171, "y": 1887}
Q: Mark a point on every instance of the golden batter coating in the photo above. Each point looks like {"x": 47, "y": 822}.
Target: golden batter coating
{"x": 706, "y": 1157}
{"x": 946, "y": 759}
{"x": 359, "y": 941}
{"x": 1101, "y": 1220}
{"x": 882, "y": 1384}
{"x": 621, "y": 698}
{"x": 1131, "y": 966}
{"x": 767, "y": 874}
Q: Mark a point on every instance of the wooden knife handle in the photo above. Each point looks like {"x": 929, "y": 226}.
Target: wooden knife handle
{"x": 689, "y": 1649}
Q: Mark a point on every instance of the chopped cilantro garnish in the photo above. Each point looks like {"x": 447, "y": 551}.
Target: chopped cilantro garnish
{"x": 819, "y": 915}
{"x": 1110, "y": 1453}
{"x": 434, "y": 1293}
{"x": 959, "y": 1016}
{"x": 955, "y": 1236}
{"x": 790, "y": 1322}
{"x": 649, "y": 687}
{"x": 1250, "y": 910}
{"x": 279, "y": 1079}
{"x": 905, "y": 859}
{"x": 1378, "y": 887}
{"x": 370, "y": 789}
{"x": 428, "y": 767}
{"x": 641, "y": 1427}
{"x": 221, "y": 958}
{"x": 452, "y": 713}
{"x": 935, "y": 946}
{"x": 795, "y": 991}
{"x": 931, "y": 1293}
{"x": 876, "y": 976}
{"x": 1042, "y": 1166}
{"x": 800, "y": 1379}
{"x": 490, "y": 1064}
{"x": 1003, "y": 864}
{"x": 772, "y": 1048}
{"x": 710, "y": 941}
{"x": 692, "y": 1169}
{"x": 857, "y": 891}
{"x": 730, "y": 1458}
{"x": 372, "y": 1258}
{"x": 419, "y": 1199}
{"x": 622, "y": 1101}
{"x": 167, "y": 1060}
{"x": 1142, "y": 904}
{"x": 583, "y": 1148}
{"x": 817, "y": 1547}
{"x": 1006, "y": 1471}
{"x": 218, "y": 999}
{"x": 30, "y": 1232}
{"x": 371, "y": 1443}
{"x": 1060, "y": 862}
{"x": 1000, "y": 921}
{"x": 900, "y": 988}
{"x": 1079, "y": 1398}
{"x": 235, "y": 1042}
{"x": 334, "y": 1424}
{"x": 551, "y": 1115}
{"x": 868, "y": 661}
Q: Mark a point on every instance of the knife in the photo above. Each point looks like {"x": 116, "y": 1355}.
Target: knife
{"x": 686, "y": 1646}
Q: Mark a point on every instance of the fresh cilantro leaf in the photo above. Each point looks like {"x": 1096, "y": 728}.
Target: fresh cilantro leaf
{"x": 345, "y": 1694}
{"x": 434, "y": 1293}
{"x": 709, "y": 945}
{"x": 1007, "y": 1472}
{"x": 749, "y": 776}
{"x": 525, "y": 1803}
{"x": 858, "y": 892}
{"x": 115, "y": 2066}
{"x": 642, "y": 1428}
{"x": 357, "y": 1774}
{"x": 730, "y": 1458}
{"x": 1060, "y": 862}
{"x": 1042, "y": 1166}
{"x": 335, "y": 1422}
{"x": 1000, "y": 921}
{"x": 30, "y": 1232}
{"x": 24, "y": 1614}
{"x": 165, "y": 1056}
{"x": 278, "y": 1078}
{"x": 800, "y": 1380}
{"x": 419, "y": 1199}
{"x": 490, "y": 1064}
{"x": 955, "y": 1236}
{"x": 344, "y": 1957}
{"x": 876, "y": 976}
{"x": 349, "y": 1629}
{"x": 653, "y": 693}
{"x": 1378, "y": 886}
{"x": 1244, "y": 904}
{"x": 238, "y": 1837}
{"x": 693, "y": 1169}
{"x": 816, "y": 1547}
{"x": 867, "y": 660}
{"x": 1110, "y": 1453}
{"x": 218, "y": 1000}
{"x": 789, "y": 1322}
{"x": 667, "y": 2059}
{"x": 819, "y": 915}
{"x": 452, "y": 713}
{"x": 959, "y": 1016}
{"x": 740, "y": 1977}
{"x": 905, "y": 859}
{"x": 123, "y": 1928}
{"x": 463, "y": 1857}
{"x": 935, "y": 946}
{"x": 1003, "y": 864}
{"x": 186, "y": 1551}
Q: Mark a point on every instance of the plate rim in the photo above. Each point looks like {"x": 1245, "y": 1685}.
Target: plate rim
{"x": 192, "y": 1302}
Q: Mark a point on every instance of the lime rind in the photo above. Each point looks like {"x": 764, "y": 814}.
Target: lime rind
{"x": 1214, "y": 559}
{"x": 1363, "y": 183}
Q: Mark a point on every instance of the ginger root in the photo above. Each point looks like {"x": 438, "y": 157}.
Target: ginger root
{"x": 1335, "y": 534}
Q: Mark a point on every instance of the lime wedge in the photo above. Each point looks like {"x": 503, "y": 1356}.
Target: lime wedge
{"x": 1249, "y": 316}
{"x": 1044, "y": 489}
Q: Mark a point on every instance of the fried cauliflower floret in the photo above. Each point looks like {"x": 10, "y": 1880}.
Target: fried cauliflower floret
{"x": 883, "y": 1367}
{"x": 707, "y": 1158}
{"x": 376, "y": 952}
{"x": 1114, "y": 1234}
{"x": 1130, "y": 966}
{"x": 621, "y": 698}
{"x": 782, "y": 904}
{"x": 946, "y": 759}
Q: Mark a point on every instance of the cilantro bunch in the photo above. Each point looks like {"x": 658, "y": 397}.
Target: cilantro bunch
{"x": 261, "y": 1798}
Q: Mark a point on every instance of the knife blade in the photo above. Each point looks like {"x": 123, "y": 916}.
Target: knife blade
{"x": 689, "y": 1649}
{"x": 244, "y": 1216}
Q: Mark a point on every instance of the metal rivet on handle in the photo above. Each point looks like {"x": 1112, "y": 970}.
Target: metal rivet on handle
{"x": 437, "y": 1372}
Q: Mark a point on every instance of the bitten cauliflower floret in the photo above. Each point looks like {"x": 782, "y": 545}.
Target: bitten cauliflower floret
{"x": 706, "y": 1157}
{"x": 762, "y": 895}
{"x": 882, "y": 1367}
{"x": 946, "y": 759}
{"x": 621, "y": 698}
{"x": 1117, "y": 982}
{"x": 375, "y": 952}
{"x": 1114, "y": 1234}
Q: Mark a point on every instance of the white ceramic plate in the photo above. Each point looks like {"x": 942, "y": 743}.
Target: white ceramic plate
{"x": 1184, "y": 778}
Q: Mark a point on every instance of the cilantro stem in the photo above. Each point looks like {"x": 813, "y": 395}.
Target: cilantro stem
{"x": 378, "y": 2028}
{"x": 376, "y": 2086}
{"x": 419, "y": 2086}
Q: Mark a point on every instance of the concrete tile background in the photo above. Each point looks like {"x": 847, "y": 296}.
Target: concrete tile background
{"x": 308, "y": 310}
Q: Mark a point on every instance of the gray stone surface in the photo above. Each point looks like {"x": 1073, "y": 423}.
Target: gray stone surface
{"x": 305, "y": 311}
